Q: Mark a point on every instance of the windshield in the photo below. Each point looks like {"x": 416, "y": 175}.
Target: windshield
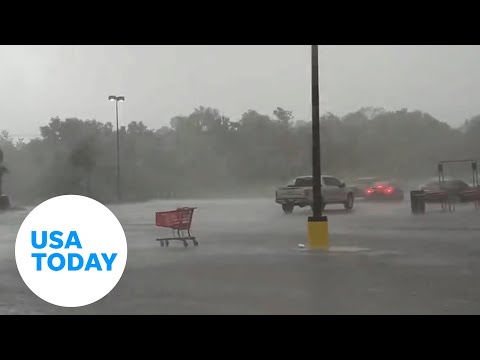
{"x": 381, "y": 183}
{"x": 365, "y": 181}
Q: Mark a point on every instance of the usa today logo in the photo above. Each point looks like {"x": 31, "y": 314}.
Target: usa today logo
{"x": 71, "y": 251}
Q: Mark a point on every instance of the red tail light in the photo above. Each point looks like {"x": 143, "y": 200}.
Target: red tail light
{"x": 370, "y": 191}
{"x": 389, "y": 190}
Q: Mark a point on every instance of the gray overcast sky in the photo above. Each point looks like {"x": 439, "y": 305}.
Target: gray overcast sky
{"x": 159, "y": 82}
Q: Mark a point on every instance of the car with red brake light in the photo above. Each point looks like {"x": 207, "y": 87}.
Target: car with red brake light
{"x": 362, "y": 184}
{"x": 384, "y": 190}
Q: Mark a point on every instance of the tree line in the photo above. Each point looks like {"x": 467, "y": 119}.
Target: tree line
{"x": 209, "y": 154}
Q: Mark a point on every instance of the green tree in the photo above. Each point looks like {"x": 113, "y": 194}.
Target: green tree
{"x": 206, "y": 152}
{"x": 285, "y": 116}
{"x": 83, "y": 157}
{"x": 3, "y": 171}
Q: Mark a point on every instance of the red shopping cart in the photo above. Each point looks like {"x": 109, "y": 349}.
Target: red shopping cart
{"x": 179, "y": 221}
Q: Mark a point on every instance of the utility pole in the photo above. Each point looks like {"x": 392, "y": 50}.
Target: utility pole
{"x": 316, "y": 159}
{"x": 317, "y": 224}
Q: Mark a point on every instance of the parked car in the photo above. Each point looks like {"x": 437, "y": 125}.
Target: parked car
{"x": 362, "y": 184}
{"x": 384, "y": 190}
{"x": 300, "y": 193}
{"x": 454, "y": 187}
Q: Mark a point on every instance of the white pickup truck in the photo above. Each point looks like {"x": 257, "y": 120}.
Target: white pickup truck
{"x": 300, "y": 193}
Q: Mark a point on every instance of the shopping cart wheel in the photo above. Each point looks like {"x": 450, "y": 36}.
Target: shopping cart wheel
{"x": 161, "y": 243}
{"x": 195, "y": 243}
{"x": 167, "y": 243}
{"x": 185, "y": 244}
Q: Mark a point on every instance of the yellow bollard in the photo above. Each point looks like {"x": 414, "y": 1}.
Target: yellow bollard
{"x": 318, "y": 233}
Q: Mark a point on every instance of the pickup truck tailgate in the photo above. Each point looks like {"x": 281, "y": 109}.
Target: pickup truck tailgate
{"x": 291, "y": 193}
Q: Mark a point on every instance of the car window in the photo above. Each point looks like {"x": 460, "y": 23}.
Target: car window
{"x": 330, "y": 181}
{"x": 303, "y": 182}
{"x": 461, "y": 185}
{"x": 455, "y": 185}
{"x": 366, "y": 181}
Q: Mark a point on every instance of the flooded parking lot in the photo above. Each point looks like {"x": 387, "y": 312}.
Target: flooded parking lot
{"x": 384, "y": 260}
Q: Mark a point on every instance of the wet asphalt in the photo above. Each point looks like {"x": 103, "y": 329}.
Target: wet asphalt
{"x": 383, "y": 260}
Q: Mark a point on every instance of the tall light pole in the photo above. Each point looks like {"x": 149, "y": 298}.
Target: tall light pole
{"x": 117, "y": 99}
{"x": 317, "y": 224}
{"x": 316, "y": 160}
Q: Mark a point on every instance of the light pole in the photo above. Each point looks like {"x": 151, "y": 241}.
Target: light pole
{"x": 317, "y": 224}
{"x": 117, "y": 99}
{"x": 316, "y": 160}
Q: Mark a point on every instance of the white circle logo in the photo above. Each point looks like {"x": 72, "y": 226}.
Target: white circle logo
{"x": 71, "y": 251}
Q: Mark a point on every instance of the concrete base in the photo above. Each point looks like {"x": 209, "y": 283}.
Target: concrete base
{"x": 318, "y": 233}
{"x": 4, "y": 202}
